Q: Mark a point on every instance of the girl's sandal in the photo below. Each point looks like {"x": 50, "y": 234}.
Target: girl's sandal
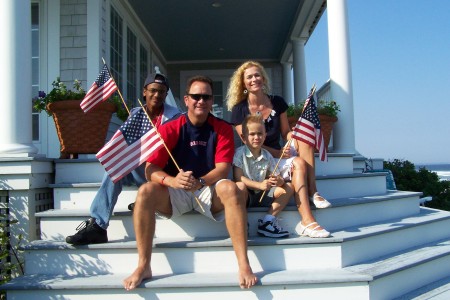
{"x": 319, "y": 201}
{"x": 313, "y": 232}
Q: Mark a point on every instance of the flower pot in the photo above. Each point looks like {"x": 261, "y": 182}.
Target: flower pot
{"x": 326, "y": 125}
{"x": 292, "y": 120}
{"x": 79, "y": 132}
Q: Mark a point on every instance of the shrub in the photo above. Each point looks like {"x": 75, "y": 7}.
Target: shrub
{"x": 407, "y": 178}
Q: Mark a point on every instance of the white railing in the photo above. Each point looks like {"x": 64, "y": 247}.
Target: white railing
{"x": 324, "y": 92}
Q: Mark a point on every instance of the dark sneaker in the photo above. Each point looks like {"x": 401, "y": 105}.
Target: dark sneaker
{"x": 271, "y": 229}
{"x": 88, "y": 233}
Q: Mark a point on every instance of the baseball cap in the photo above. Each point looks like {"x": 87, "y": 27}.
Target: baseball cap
{"x": 157, "y": 78}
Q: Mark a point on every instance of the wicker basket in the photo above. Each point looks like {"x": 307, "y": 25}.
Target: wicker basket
{"x": 326, "y": 125}
{"x": 79, "y": 132}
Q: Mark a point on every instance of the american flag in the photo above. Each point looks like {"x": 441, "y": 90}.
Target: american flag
{"x": 102, "y": 88}
{"x": 307, "y": 128}
{"x": 130, "y": 146}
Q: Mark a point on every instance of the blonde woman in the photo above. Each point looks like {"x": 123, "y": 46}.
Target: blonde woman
{"x": 249, "y": 94}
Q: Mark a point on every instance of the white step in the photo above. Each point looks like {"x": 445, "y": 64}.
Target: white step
{"x": 409, "y": 270}
{"x": 438, "y": 290}
{"x": 349, "y": 246}
{"x": 371, "y": 280}
{"x": 345, "y": 212}
{"x": 305, "y": 284}
{"x": 81, "y": 195}
{"x": 90, "y": 170}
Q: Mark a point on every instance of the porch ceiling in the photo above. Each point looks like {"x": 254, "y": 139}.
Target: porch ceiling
{"x": 227, "y": 30}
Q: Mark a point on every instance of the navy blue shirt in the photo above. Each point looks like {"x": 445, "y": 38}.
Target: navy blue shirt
{"x": 272, "y": 123}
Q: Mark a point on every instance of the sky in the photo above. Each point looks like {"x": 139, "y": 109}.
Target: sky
{"x": 400, "y": 55}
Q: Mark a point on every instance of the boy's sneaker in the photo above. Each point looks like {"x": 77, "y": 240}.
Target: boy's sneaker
{"x": 88, "y": 233}
{"x": 271, "y": 229}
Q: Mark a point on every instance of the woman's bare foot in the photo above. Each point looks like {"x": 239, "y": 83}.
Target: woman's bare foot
{"x": 247, "y": 279}
{"x": 136, "y": 277}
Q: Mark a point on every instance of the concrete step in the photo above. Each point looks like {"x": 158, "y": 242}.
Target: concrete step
{"x": 345, "y": 212}
{"x": 305, "y": 284}
{"x": 352, "y": 245}
{"x": 90, "y": 170}
{"x": 80, "y": 195}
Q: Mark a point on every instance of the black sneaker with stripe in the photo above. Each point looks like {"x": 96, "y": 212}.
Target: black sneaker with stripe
{"x": 271, "y": 229}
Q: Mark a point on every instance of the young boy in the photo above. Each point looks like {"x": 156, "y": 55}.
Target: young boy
{"x": 254, "y": 166}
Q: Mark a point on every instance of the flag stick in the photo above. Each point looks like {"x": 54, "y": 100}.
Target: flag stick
{"x": 168, "y": 151}
{"x": 313, "y": 90}
{"x": 118, "y": 90}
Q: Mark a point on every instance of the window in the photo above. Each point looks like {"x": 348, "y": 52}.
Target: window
{"x": 116, "y": 47}
{"x": 131, "y": 66}
{"x": 218, "y": 99}
{"x": 143, "y": 67}
{"x": 35, "y": 66}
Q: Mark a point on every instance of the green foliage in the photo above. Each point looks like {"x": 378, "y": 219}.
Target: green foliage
{"x": 10, "y": 262}
{"x": 324, "y": 107}
{"x": 58, "y": 93}
{"x": 408, "y": 179}
{"x": 122, "y": 112}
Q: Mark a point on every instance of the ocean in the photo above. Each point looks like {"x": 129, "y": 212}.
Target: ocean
{"x": 442, "y": 170}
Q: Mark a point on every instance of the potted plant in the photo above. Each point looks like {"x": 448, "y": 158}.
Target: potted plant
{"x": 78, "y": 132}
{"x": 327, "y": 111}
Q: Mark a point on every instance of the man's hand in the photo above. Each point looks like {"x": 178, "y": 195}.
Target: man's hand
{"x": 186, "y": 181}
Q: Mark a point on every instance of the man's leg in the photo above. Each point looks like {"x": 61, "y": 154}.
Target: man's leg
{"x": 231, "y": 198}
{"x": 151, "y": 197}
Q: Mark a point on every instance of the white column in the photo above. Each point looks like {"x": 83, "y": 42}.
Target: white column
{"x": 341, "y": 75}
{"x": 15, "y": 79}
{"x": 300, "y": 92}
{"x": 287, "y": 83}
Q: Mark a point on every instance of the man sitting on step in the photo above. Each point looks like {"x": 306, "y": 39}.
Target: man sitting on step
{"x": 93, "y": 230}
{"x": 202, "y": 146}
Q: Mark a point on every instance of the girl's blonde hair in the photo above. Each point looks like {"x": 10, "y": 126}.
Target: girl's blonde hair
{"x": 235, "y": 93}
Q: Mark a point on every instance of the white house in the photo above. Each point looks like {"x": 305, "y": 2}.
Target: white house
{"x": 384, "y": 245}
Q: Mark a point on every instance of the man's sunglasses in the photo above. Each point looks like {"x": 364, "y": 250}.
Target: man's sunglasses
{"x": 197, "y": 97}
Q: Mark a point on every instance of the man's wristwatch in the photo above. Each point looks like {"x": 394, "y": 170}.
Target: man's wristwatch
{"x": 202, "y": 182}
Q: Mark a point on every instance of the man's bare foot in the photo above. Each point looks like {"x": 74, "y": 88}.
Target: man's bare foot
{"x": 136, "y": 278}
{"x": 247, "y": 279}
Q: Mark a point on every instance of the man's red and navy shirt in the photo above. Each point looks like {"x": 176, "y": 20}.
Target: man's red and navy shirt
{"x": 195, "y": 149}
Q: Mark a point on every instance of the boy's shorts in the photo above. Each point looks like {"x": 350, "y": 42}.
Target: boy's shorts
{"x": 255, "y": 195}
{"x": 183, "y": 202}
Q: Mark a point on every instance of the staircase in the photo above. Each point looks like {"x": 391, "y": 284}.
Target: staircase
{"x": 384, "y": 245}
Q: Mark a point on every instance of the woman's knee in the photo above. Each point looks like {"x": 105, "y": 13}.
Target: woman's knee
{"x": 299, "y": 164}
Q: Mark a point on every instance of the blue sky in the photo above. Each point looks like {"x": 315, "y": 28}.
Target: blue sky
{"x": 400, "y": 53}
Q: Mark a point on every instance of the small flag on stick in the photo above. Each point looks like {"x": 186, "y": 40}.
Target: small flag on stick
{"x": 102, "y": 88}
{"x": 308, "y": 129}
{"x": 130, "y": 146}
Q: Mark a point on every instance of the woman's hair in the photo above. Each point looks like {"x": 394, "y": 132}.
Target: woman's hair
{"x": 258, "y": 119}
{"x": 235, "y": 93}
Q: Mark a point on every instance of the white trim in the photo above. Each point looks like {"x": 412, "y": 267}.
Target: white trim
{"x": 94, "y": 37}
